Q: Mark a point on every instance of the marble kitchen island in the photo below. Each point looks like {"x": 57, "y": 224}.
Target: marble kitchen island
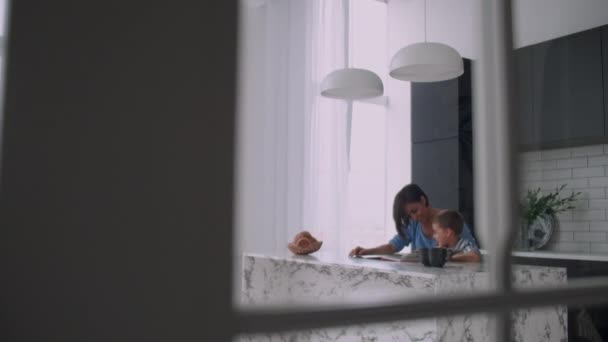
{"x": 329, "y": 279}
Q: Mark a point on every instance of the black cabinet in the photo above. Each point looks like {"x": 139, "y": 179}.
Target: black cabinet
{"x": 435, "y": 168}
{"x": 442, "y": 142}
{"x": 604, "y": 34}
{"x": 436, "y": 108}
{"x": 523, "y": 104}
{"x": 568, "y": 90}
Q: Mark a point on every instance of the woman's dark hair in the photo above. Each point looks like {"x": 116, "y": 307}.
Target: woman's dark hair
{"x": 410, "y": 193}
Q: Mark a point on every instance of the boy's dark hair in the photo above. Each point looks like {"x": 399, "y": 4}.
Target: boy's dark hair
{"x": 410, "y": 193}
{"x": 450, "y": 219}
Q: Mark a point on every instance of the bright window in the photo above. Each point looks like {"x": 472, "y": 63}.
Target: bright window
{"x": 366, "y": 195}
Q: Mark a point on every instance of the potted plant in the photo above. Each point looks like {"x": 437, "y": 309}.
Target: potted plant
{"x": 539, "y": 212}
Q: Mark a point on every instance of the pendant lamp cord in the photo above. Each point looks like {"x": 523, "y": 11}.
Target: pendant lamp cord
{"x": 346, "y": 33}
{"x": 349, "y": 103}
{"x": 425, "y": 21}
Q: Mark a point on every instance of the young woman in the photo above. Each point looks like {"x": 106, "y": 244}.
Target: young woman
{"x": 413, "y": 218}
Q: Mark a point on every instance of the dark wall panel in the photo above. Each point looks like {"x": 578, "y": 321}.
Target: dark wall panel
{"x": 604, "y": 34}
{"x": 435, "y": 108}
{"x": 523, "y": 104}
{"x": 568, "y": 89}
{"x": 435, "y": 168}
{"x": 442, "y": 157}
{"x": 466, "y": 190}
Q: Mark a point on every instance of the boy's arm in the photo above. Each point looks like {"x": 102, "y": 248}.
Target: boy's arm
{"x": 471, "y": 256}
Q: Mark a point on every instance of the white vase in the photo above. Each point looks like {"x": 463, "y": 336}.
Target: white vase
{"x": 537, "y": 234}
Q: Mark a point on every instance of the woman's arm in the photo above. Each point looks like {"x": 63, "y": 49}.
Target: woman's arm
{"x": 472, "y": 256}
{"x": 393, "y": 246}
{"x": 382, "y": 249}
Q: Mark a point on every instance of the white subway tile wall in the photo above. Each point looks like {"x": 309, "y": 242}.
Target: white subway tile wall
{"x": 592, "y": 150}
{"x": 599, "y": 248}
{"x": 570, "y": 226}
{"x": 598, "y": 181}
{"x": 598, "y": 161}
{"x": 582, "y": 169}
{"x": 557, "y": 174}
{"x": 582, "y": 204}
{"x": 589, "y": 237}
{"x": 588, "y": 215}
{"x": 598, "y": 226}
{"x": 582, "y": 172}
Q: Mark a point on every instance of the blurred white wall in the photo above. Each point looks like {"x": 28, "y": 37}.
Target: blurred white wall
{"x": 452, "y": 21}
{"x": 401, "y": 31}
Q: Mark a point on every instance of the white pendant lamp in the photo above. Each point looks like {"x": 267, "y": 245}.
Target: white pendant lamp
{"x": 426, "y": 62}
{"x": 352, "y": 84}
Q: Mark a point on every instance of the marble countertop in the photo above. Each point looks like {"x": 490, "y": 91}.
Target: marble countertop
{"x": 405, "y": 268}
{"x": 324, "y": 279}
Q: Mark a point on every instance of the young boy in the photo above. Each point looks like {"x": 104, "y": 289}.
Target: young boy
{"x": 447, "y": 227}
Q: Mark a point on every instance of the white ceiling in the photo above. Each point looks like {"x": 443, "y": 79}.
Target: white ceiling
{"x": 452, "y": 21}
{"x": 540, "y": 20}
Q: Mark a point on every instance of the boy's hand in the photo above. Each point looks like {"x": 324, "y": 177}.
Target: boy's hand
{"x": 466, "y": 257}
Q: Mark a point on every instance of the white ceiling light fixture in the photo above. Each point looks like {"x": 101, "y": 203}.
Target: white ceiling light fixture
{"x": 352, "y": 84}
{"x": 426, "y": 62}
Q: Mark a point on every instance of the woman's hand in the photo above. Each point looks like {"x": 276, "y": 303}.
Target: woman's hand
{"x": 382, "y": 249}
{"x": 358, "y": 251}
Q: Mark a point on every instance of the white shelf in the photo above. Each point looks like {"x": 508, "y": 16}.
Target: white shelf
{"x": 561, "y": 255}
{"x": 557, "y": 255}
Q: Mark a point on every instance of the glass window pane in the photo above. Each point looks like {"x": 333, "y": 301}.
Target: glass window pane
{"x": 559, "y": 101}
{"x": 307, "y": 165}
{"x": 368, "y": 36}
{"x": 366, "y": 204}
{"x": 559, "y": 149}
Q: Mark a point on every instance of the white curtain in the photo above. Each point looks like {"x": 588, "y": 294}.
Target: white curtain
{"x": 292, "y": 151}
{"x": 326, "y": 162}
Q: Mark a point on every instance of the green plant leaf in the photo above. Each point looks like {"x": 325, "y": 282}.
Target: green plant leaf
{"x": 535, "y": 204}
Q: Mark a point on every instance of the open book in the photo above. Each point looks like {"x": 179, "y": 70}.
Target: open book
{"x": 391, "y": 257}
